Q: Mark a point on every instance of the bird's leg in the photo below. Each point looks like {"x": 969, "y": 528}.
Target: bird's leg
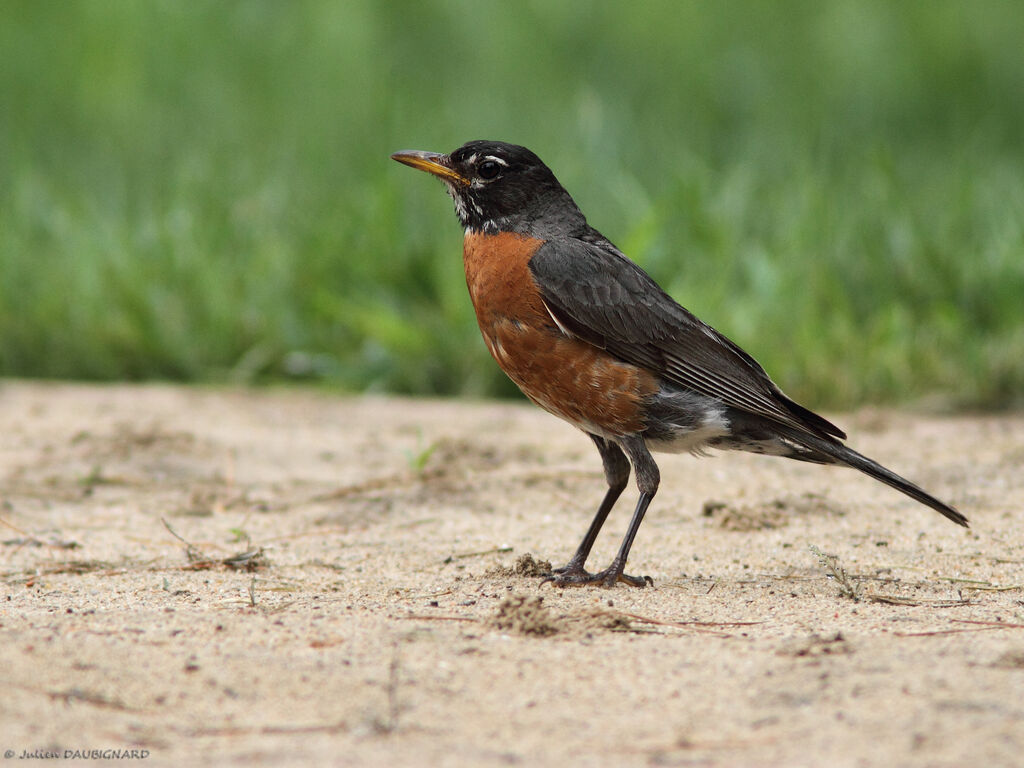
{"x": 647, "y": 479}
{"x": 614, "y": 572}
{"x": 616, "y": 472}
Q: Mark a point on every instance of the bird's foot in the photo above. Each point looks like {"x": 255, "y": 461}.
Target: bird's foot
{"x": 572, "y": 574}
{"x": 575, "y": 575}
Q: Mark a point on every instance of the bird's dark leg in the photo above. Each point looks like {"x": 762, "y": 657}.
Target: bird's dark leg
{"x": 647, "y": 479}
{"x": 616, "y": 472}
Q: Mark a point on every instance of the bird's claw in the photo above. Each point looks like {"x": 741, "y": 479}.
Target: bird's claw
{"x": 574, "y": 575}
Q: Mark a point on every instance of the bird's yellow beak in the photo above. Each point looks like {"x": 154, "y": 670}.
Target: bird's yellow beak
{"x": 431, "y": 162}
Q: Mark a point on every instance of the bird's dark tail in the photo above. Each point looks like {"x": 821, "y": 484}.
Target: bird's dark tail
{"x": 840, "y": 454}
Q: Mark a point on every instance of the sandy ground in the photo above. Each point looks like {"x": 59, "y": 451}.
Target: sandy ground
{"x": 340, "y": 587}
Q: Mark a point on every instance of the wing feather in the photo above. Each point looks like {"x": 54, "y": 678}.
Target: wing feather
{"x": 595, "y": 293}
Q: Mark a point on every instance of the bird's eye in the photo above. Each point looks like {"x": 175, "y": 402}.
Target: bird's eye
{"x": 488, "y": 169}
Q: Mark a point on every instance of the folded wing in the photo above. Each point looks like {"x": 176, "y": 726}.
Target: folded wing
{"x": 595, "y": 293}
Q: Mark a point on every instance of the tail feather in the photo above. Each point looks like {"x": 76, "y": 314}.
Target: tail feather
{"x": 843, "y": 455}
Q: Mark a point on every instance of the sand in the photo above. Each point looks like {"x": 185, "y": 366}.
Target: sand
{"x": 229, "y": 577}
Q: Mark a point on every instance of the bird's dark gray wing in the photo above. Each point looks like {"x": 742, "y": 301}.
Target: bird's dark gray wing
{"x": 597, "y": 294}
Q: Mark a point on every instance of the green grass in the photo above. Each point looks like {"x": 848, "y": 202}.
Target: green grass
{"x": 202, "y": 191}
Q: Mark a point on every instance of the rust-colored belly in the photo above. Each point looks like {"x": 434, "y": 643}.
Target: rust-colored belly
{"x": 566, "y": 376}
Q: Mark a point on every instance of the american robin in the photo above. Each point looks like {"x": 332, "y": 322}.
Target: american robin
{"x": 589, "y": 336}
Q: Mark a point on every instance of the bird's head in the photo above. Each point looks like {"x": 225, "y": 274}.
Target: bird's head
{"x": 498, "y": 187}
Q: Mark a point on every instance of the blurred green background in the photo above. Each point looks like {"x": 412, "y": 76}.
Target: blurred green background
{"x": 201, "y": 191}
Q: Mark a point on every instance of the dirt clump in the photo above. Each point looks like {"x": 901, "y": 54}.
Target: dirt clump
{"x": 524, "y": 615}
{"x": 527, "y": 565}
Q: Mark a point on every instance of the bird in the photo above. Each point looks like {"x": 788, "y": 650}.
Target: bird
{"x": 590, "y": 337}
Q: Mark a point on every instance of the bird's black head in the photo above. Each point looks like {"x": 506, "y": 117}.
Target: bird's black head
{"x": 499, "y": 187}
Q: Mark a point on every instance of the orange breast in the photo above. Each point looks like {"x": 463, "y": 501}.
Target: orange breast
{"x": 568, "y": 377}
